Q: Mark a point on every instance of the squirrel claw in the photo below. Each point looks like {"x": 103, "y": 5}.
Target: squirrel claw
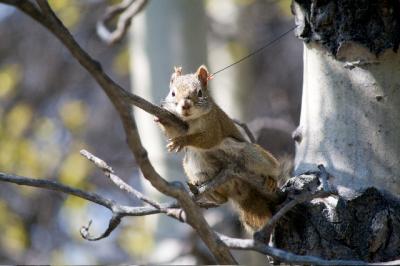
{"x": 175, "y": 145}
{"x": 157, "y": 119}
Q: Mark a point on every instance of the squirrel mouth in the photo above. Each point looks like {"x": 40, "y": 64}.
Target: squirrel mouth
{"x": 186, "y": 113}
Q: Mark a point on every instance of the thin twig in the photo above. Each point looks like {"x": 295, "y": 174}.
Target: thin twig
{"x": 54, "y": 185}
{"x": 97, "y": 161}
{"x": 214, "y": 183}
{"x": 119, "y": 97}
{"x": 265, "y": 232}
{"x": 288, "y": 257}
{"x": 113, "y": 223}
{"x": 247, "y": 130}
{"x": 258, "y": 183}
{"x": 263, "y": 235}
{"x": 171, "y": 209}
{"x": 122, "y": 210}
{"x": 126, "y": 10}
{"x": 255, "y": 181}
{"x": 117, "y": 180}
{"x": 115, "y": 92}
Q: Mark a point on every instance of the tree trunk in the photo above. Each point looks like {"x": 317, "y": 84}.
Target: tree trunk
{"x": 350, "y": 122}
{"x": 350, "y": 116}
{"x": 167, "y": 34}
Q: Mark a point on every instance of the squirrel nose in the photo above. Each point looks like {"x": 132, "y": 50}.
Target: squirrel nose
{"x": 186, "y": 105}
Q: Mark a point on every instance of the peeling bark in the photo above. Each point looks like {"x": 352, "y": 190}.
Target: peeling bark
{"x": 351, "y": 99}
{"x": 373, "y": 24}
{"x": 350, "y": 122}
{"x": 365, "y": 227}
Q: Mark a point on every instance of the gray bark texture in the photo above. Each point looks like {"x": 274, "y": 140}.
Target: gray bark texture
{"x": 374, "y": 24}
{"x": 350, "y": 123}
{"x": 365, "y": 227}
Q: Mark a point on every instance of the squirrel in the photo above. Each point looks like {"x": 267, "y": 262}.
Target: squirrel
{"x": 213, "y": 143}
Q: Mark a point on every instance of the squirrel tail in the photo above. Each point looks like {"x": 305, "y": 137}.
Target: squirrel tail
{"x": 286, "y": 165}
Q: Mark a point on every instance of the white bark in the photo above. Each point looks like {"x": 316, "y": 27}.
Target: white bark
{"x": 350, "y": 117}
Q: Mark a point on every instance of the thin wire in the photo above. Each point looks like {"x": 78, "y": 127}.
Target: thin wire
{"x": 253, "y": 53}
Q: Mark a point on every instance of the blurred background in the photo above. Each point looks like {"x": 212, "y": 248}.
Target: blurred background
{"x": 50, "y": 108}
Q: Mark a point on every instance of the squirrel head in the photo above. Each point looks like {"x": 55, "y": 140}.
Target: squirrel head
{"x": 188, "y": 96}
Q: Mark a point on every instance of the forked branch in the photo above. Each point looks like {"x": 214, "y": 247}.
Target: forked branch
{"x": 121, "y": 100}
{"x": 125, "y": 11}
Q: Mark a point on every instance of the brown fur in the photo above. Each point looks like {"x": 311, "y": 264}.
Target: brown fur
{"x": 213, "y": 143}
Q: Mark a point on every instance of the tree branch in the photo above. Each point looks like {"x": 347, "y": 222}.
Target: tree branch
{"x": 115, "y": 92}
{"x": 55, "y": 186}
{"x": 323, "y": 191}
{"x": 119, "y": 97}
{"x": 108, "y": 172}
{"x": 171, "y": 209}
{"x": 288, "y": 257}
{"x": 127, "y": 9}
{"x": 246, "y": 129}
{"x": 255, "y": 181}
{"x": 115, "y": 208}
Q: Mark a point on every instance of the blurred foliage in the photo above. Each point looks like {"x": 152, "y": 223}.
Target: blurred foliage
{"x": 237, "y": 50}
{"x": 73, "y": 114}
{"x": 284, "y": 5}
{"x": 244, "y": 2}
{"x": 67, "y": 12}
{"x": 18, "y": 120}
{"x": 36, "y": 142}
{"x": 77, "y": 208}
{"x": 136, "y": 239}
{"x": 10, "y": 75}
{"x": 121, "y": 62}
{"x": 74, "y": 170}
{"x": 13, "y": 238}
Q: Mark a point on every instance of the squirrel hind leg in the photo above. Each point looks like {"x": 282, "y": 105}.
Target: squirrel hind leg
{"x": 254, "y": 210}
{"x": 253, "y": 222}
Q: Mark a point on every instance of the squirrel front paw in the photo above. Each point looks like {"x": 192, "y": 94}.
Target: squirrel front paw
{"x": 175, "y": 144}
{"x": 157, "y": 119}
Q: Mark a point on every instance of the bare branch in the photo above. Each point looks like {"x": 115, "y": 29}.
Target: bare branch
{"x": 213, "y": 184}
{"x": 246, "y": 129}
{"x": 171, "y": 209}
{"x": 116, "y": 93}
{"x": 127, "y": 9}
{"x": 288, "y": 257}
{"x": 255, "y": 181}
{"x": 263, "y": 235}
{"x": 122, "y": 210}
{"x": 97, "y": 161}
{"x": 114, "y": 222}
{"x": 55, "y": 186}
{"x": 258, "y": 183}
{"x": 117, "y": 180}
{"x": 119, "y": 97}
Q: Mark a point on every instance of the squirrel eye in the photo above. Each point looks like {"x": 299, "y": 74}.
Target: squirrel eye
{"x": 173, "y": 94}
{"x": 199, "y": 93}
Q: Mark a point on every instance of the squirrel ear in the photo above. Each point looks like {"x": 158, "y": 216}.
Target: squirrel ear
{"x": 177, "y": 72}
{"x": 202, "y": 74}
